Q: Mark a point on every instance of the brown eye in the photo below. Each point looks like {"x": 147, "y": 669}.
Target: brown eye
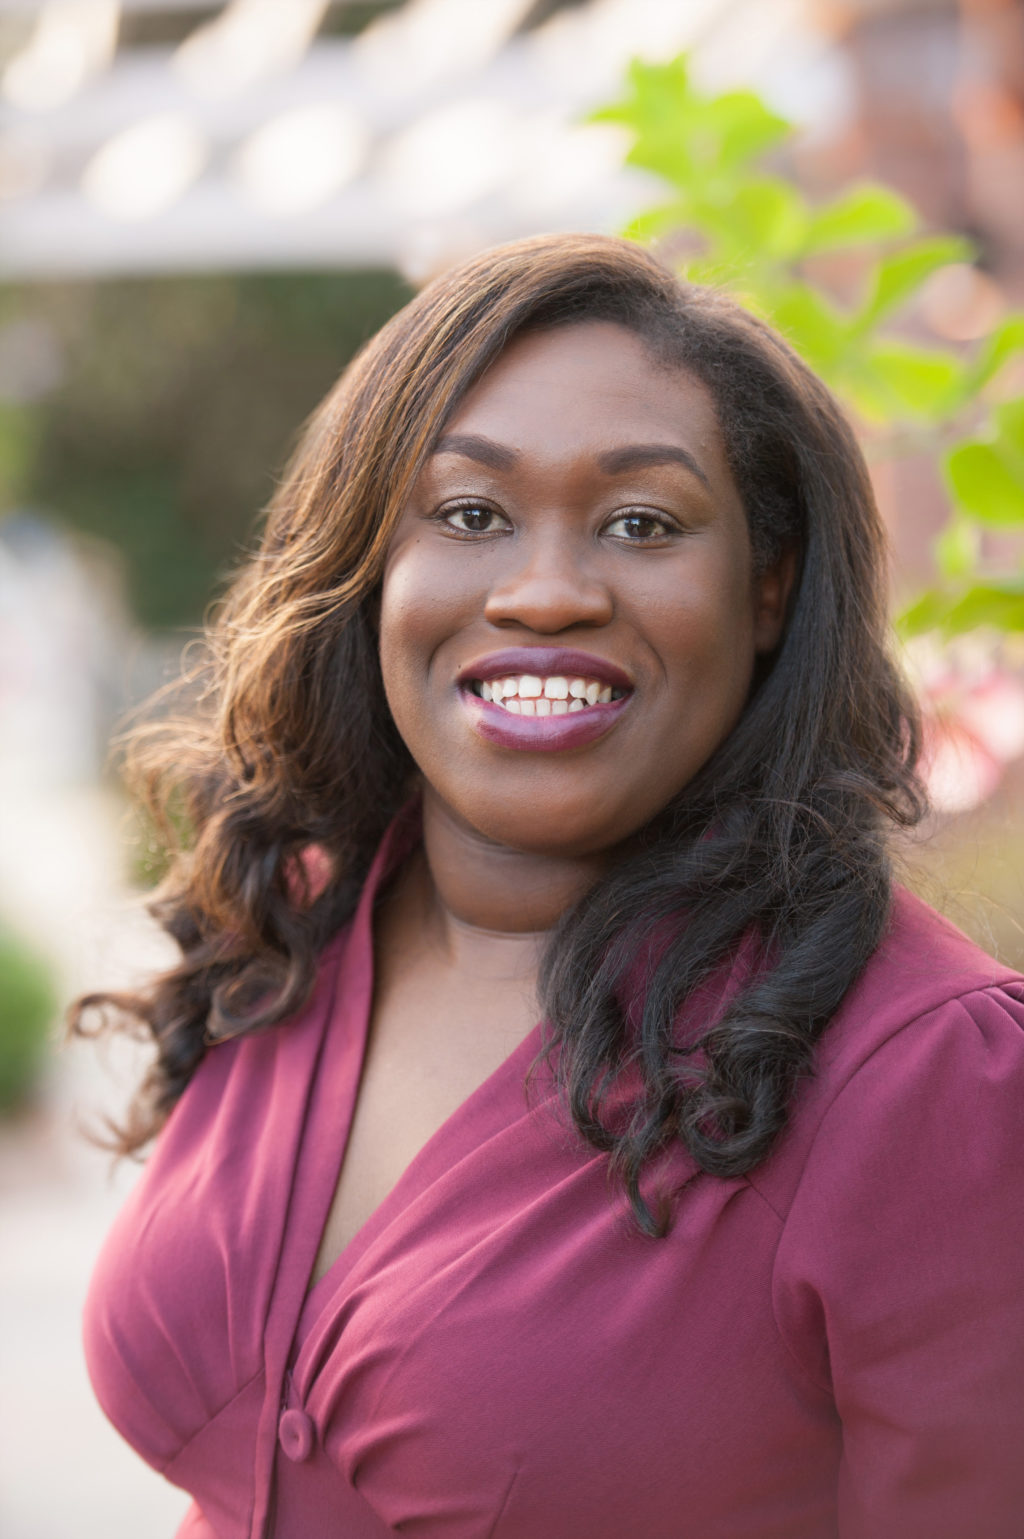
{"x": 639, "y": 527}
{"x": 474, "y": 518}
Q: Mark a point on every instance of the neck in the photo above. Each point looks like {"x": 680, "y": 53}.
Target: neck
{"x": 479, "y": 887}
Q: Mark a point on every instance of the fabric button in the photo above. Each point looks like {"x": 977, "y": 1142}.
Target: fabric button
{"x": 295, "y": 1433}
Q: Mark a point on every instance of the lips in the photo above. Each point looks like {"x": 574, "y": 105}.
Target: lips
{"x": 560, "y": 698}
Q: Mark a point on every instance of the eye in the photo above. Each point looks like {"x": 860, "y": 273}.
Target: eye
{"x": 473, "y": 518}
{"x": 641, "y": 528}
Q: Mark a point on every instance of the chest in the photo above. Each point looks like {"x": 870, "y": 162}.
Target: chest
{"x": 502, "y": 1354}
{"x": 434, "y": 1037}
{"x": 511, "y": 1359}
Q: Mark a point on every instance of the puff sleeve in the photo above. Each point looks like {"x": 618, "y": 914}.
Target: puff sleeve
{"x": 899, "y": 1280}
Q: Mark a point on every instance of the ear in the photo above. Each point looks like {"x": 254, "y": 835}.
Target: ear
{"x": 772, "y": 588}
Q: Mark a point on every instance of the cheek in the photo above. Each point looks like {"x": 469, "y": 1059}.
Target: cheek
{"x": 403, "y": 638}
{"x": 417, "y": 612}
{"x": 703, "y": 622}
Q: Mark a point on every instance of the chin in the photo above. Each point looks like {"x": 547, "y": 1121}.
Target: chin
{"x": 554, "y": 831}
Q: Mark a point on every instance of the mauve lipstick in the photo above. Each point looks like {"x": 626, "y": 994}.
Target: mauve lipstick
{"x": 542, "y": 734}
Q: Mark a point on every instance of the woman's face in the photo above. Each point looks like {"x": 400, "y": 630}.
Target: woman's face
{"x": 577, "y": 551}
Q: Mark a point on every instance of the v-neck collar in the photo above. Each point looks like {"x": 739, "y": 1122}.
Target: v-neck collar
{"x": 335, "y": 1070}
{"x": 433, "y": 1159}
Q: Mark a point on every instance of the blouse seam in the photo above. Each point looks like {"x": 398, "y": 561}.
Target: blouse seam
{"x": 855, "y": 1069}
{"x": 199, "y": 1432}
{"x": 504, "y": 1505}
{"x": 1013, "y": 987}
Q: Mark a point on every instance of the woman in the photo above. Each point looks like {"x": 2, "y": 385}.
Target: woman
{"x": 558, "y": 689}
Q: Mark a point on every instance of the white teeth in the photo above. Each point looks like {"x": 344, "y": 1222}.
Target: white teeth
{"x": 530, "y": 695}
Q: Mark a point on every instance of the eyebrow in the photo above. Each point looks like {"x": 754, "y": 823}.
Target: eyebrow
{"x": 636, "y": 456}
{"x": 472, "y": 447}
{"x": 613, "y": 462}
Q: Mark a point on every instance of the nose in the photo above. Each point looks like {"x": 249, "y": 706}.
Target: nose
{"x": 549, "y": 589}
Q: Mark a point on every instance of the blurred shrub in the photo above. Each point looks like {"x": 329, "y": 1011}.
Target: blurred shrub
{"x": 27, "y": 1004}
{"x": 152, "y": 846}
{"x": 736, "y": 224}
{"x": 179, "y": 403}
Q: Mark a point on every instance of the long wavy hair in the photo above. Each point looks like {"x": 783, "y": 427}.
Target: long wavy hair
{"x": 779, "y": 842}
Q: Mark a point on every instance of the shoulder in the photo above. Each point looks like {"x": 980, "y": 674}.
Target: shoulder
{"x": 923, "y": 974}
{"x": 898, "y": 1277}
{"x": 923, "y": 971}
{"x": 933, "y": 1028}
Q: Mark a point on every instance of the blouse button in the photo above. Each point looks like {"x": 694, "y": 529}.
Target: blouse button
{"x": 295, "y": 1434}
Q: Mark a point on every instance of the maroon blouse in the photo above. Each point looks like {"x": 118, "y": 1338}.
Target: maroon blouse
{"x": 832, "y": 1346}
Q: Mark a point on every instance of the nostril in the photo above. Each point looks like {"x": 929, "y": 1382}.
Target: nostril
{"x": 550, "y": 600}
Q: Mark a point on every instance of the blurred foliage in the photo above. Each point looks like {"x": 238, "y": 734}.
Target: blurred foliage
{"x": 179, "y": 403}
{"x": 19, "y": 445}
{"x": 152, "y": 846}
{"x": 756, "y": 233}
{"x": 27, "y": 1005}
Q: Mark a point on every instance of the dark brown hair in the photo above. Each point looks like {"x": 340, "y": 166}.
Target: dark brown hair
{"x": 781, "y": 837}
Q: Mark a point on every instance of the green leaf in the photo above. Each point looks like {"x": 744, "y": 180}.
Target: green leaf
{"x": 996, "y": 604}
{"x": 811, "y": 325}
{"x": 653, "y": 92}
{"x": 771, "y": 216}
{"x": 957, "y": 548}
{"x": 984, "y": 485}
{"x": 998, "y": 349}
{"x": 723, "y": 272}
{"x": 654, "y": 222}
{"x": 659, "y": 109}
{"x": 926, "y": 613}
{"x": 860, "y": 385}
{"x": 685, "y": 137}
{"x": 899, "y": 275}
{"x": 862, "y": 214}
{"x": 918, "y": 382}
{"x": 743, "y": 126}
{"x": 1010, "y": 423}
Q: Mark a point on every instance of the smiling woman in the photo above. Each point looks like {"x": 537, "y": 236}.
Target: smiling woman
{"x": 558, "y": 691}
{"x": 580, "y": 495}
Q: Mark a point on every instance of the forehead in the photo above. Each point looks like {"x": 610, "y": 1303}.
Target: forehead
{"x": 585, "y": 380}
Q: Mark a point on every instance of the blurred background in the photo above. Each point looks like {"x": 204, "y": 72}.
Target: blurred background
{"x": 206, "y": 208}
